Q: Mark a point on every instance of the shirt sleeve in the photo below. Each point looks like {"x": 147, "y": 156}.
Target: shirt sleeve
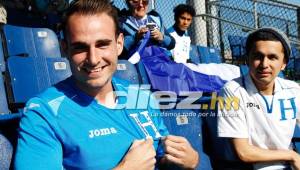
{"x": 168, "y": 41}
{"x": 232, "y": 121}
{"x": 38, "y": 147}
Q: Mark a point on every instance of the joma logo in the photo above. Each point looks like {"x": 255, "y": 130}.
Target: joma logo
{"x": 102, "y": 132}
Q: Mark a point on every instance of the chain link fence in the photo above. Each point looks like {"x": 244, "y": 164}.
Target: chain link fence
{"x": 238, "y": 17}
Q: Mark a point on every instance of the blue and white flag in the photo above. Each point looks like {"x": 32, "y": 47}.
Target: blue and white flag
{"x": 166, "y": 75}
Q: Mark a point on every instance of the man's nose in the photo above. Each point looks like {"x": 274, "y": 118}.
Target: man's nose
{"x": 264, "y": 61}
{"x": 92, "y": 58}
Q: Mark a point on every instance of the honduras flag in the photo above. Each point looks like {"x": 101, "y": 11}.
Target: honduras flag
{"x": 166, "y": 75}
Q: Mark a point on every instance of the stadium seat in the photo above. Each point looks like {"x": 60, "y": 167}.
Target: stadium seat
{"x": 209, "y": 55}
{"x": 3, "y": 98}
{"x": 126, "y": 70}
{"x": 237, "y": 46}
{"x": 194, "y": 54}
{"x": 35, "y": 42}
{"x": 46, "y": 43}
{"x": 214, "y": 55}
{"x": 204, "y": 54}
{"x": 219, "y": 150}
{"x": 58, "y": 69}
{"x": 30, "y": 76}
{"x": 188, "y": 124}
{"x": 27, "y": 78}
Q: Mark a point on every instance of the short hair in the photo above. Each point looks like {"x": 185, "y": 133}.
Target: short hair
{"x": 268, "y": 34}
{"x": 182, "y": 8}
{"x": 90, "y": 7}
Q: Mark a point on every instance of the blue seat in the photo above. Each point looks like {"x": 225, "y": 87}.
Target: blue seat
{"x": 220, "y": 150}
{"x": 3, "y": 98}
{"x": 30, "y": 76}
{"x": 238, "y": 48}
{"x": 188, "y": 124}
{"x": 127, "y": 71}
{"x": 46, "y": 43}
{"x": 214, "y": 55}
{"x": 204, "y": 54}
{"x": 58, "y": 69}
{"x": 194, "y": 54}
{"x": 209, "y": 55}
{"x": 35, "y": 42}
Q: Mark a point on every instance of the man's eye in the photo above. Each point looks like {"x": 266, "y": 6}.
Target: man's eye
{"x": 257, "y": 56}
{"x": 79, "y": 49}
{"x": 102, "y": 45}
{"x": 273, "y": 57}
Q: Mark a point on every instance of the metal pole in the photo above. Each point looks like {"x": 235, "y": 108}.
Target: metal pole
{"x": 199, "y": 27}
{"x": 153, "y": 5}
{"x": 255, "y": 14}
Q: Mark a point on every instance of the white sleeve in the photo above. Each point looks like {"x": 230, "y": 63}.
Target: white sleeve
{"x": 232, "y": 121}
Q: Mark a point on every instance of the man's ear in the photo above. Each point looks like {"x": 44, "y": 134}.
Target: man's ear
{"x": 284, "y": 64}
{"x": 283, "y": 67}
{"x": 120, "y": 43}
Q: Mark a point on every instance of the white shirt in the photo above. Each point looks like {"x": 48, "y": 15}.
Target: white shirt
{"x": 266, "y": 125}
{"x": 181, "y": 51}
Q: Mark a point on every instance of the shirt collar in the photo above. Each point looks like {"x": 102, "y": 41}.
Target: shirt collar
{"x": 251, "y": 88}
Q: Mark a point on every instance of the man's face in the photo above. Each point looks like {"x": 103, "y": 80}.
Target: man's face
{"x": 139, "y": 7}
{"x": 184, "y": 21}
{"x": 93, "y": 50}
{"x": 266, "y": 60}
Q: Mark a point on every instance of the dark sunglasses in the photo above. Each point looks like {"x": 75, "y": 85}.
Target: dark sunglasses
{"x": 137, "y": 2}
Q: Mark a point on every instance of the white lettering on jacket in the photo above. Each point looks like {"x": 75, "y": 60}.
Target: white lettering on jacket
{"x": 102, "y": 132}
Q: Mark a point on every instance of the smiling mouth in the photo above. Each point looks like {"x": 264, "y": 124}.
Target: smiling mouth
{"x": 94, "y": 70}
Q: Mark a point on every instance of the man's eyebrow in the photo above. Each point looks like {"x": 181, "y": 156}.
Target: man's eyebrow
{"x": 102, "y": 41}
{"x": 106, "y": 41}
{"x": 79, "y": 43}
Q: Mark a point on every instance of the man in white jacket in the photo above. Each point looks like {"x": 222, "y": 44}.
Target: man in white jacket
{"x": 262, "y": 126}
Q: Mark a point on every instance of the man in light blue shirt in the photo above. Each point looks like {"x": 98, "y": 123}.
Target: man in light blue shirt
{"x": 77, "y": 124}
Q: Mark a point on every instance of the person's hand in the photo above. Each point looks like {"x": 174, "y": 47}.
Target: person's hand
{"x": 179, "y": 151}
{"x": 296, "y": 160}
{"x": 141, "y": 155}
{"x": 141, "y": 32}
{"x": 156, "y": 35}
